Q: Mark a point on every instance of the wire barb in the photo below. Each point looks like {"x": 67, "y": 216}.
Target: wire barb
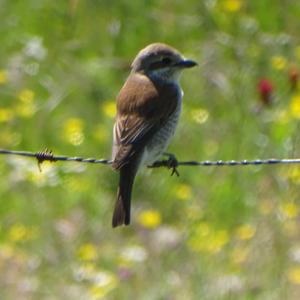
{"x": 47, "y": 155}
{"x": 44, "y": 155}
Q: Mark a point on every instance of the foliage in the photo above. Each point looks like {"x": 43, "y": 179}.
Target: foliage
{"x": 212, "y": 233}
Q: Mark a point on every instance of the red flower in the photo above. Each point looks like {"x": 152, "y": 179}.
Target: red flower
{"x": 265, "y": 89}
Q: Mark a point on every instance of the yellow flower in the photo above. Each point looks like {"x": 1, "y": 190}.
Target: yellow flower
{"x": 183, "y": 192}
{"x": 278, "y": 62}
{"x": 17, "y": 232}
{"x": 295, "y": 106}
{"x": 294, "y": 275}
{"x": 289, "y": 210}
{"x": 26, "y": 95}
{"x": 232, "y": 5}
{"x": 73, "y": 131}
{"x": 20, "y": 232}
{"x": 218, "y": 241}
{"x": 109, "y": 108}
{"x": 246, "y": 232}
{"x": 26, "y": 108}
{"x": 105, "y": 282}
{"x": 6, "y": 114}
{"x": 149, "y": 218}
{"x": 98, "y": 292}
{"x": 203, "y": 229}
{"x": 207, "y": 239}
{"x": 88, "y": 252}
{"x": 3, "y": 76}
{"x": 294, "y": 174}
{"x": 200, "y": 116}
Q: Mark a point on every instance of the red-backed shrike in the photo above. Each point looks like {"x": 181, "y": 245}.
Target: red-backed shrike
{"x": 148, "y": 109}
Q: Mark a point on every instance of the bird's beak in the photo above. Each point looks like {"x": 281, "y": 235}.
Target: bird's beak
{"x": 186, "y": 63}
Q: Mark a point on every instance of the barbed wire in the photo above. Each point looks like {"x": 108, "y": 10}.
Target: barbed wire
{"x": 47, "y": 155}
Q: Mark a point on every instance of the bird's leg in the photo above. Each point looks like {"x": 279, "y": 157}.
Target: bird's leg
{"x": 172, "y": 163}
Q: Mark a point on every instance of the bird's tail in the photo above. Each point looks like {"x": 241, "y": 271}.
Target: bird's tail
{"x": 121, "y": 213}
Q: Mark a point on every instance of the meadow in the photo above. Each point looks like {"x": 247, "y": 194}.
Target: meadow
{"x": 212, "y": 233}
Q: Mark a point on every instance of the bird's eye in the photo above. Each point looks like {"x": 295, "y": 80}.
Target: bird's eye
{"x": 159, "y": 64}
{"x": 166, "y": 60}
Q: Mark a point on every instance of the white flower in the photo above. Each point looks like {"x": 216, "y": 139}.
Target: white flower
{"x": 134, "y": 253}
{"x": 34, "y": 48}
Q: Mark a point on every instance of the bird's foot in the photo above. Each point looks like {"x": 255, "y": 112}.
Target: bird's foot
{"x": 172, "y": 163}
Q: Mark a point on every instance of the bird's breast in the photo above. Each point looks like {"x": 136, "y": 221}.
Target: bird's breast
{"x": 160, "y": 140}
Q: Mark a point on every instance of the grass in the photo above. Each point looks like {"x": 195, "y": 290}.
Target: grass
{"x": 212, "y": 233}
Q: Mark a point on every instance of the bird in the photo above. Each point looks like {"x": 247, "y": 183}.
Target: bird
{"x": 148, "y": 107}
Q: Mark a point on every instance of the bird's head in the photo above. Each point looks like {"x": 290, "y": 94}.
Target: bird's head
{"x": 160, "y": 61}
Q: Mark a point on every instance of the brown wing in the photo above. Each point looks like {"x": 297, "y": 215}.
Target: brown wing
{"x": 142, "y": 108}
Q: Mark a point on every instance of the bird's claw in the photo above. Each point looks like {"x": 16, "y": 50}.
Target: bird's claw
{"x": 172, "y": 163}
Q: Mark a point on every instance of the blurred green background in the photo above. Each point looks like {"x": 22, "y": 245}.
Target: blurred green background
{"x": 213, "y": 232}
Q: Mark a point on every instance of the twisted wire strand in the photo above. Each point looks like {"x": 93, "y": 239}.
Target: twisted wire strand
{"x": 48, "y": 155}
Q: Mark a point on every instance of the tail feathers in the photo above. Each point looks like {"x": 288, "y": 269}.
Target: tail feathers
{"x": 121, "y": 213}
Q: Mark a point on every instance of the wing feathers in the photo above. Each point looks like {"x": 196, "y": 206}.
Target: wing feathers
{"x": 142, "y": 108}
